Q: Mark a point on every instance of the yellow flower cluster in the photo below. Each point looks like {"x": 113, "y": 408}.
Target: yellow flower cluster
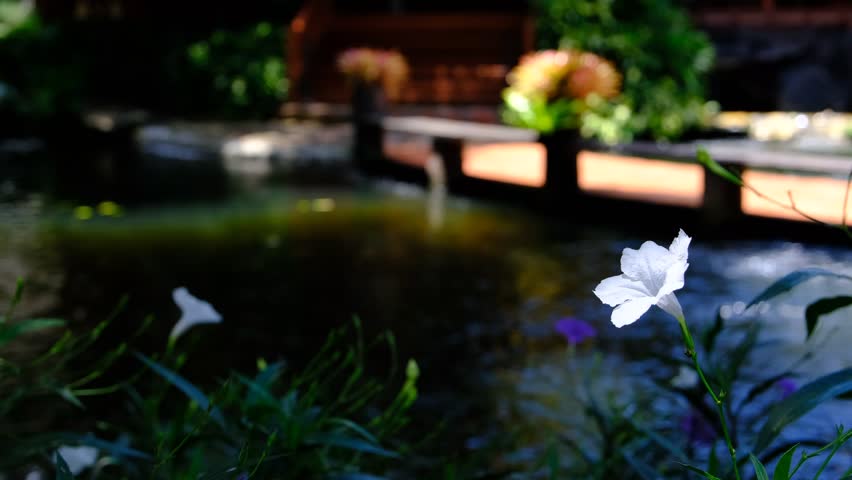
{"x": 387, "y": 68}
{"x": 571, "y": 74}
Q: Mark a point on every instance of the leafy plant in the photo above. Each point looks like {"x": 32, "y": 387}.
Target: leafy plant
{"x": 319, "y": 423}
{"x": 555, "y": 89}
{"x": 51, "y": 71}
{"x": 37, "y": 82}
{"x": 663, "y": 58}
{"x": 325, "y": 421}
{"x": 369, "y": 66}
{"x": 36, "y": 384}
{"x": 794, "y": 404}
{"x": 234, "y": 73}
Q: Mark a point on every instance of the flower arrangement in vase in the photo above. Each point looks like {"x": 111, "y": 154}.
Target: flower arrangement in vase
{"x": 375, "y": 75}
{"x": 552, "y": 90}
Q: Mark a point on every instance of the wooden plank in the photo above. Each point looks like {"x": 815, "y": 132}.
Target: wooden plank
{"x": 457, "y": 129}
{"x": 745, "y": 153}
{"x": 437, "y": 22}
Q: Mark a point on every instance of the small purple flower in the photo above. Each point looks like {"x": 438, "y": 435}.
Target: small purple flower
{"x": 786, "y": 386}
{"x": 575, "y": 331}
{"x": 698, "y": 431}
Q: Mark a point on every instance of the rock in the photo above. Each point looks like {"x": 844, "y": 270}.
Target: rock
{"x": 255, "y": 151}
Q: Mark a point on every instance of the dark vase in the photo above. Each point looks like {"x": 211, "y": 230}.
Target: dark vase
{"x": 368, "y": 101}
{"x": 368, "y": 107}
{"x": 562, "y": 147}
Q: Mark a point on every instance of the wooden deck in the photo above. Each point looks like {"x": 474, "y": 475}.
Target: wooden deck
{"x": 665, "y": 174}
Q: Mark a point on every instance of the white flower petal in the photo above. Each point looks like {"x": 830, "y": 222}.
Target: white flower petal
{"x": 648, "y": 265}
{"x": 669, "y": 304}
{"x": 680, "y": 246}
{"x": 674, "y": 279}
{"x": 78, "y": 458}
{"x": 616, "y": 290}
{"x": 650, "y": 277}
{"x": 193, "y": 312}
{"x": 630, "y": 311}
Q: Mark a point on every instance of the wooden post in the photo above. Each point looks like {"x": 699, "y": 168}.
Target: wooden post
{"x": 368, "y": 151}
{"x": 722, "y": 198}
{"x": 368, "y": 107}
{"x": 562, "y": 148}
{"x": 450, "y": 151}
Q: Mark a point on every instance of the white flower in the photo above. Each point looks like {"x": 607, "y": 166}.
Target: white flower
{"x": 78, "y": 458}
{"x": 651, "y": 275}
{"x": 686, "y": 378}
{"x": 193, "y": 312}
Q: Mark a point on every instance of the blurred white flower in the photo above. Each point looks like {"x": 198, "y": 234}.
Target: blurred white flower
{"x": 78, "y": 458}
{"x": 193, "y": 312}
{"x": 686, "y": 378}
{"x": 650, "y": 276}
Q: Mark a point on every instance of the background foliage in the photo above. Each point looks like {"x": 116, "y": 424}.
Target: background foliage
{"x": 200, "y": 69}
{"x": 663, "y": 58}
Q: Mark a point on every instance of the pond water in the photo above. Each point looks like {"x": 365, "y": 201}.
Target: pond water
{"x": 471, "y": 291}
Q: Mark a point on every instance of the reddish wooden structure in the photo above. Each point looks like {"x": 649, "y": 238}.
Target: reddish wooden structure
{"x": 462, "y": 57}
{"x": 459, "y": 50}
{"x": 455, "y": 57}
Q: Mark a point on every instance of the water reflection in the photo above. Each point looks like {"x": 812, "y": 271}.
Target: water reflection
{"x": 471, "y": 292}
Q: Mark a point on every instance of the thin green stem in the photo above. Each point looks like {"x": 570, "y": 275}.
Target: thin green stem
{"x": 827, "y": 461}
{"x": 717, "y": 398}
{"x": 802, "y": 461}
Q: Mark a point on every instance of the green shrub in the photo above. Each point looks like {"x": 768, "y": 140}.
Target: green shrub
{"x": 235, "y": 73}
{"x": 50, "y": 71}
{"x": 664, "y": 60}
{"x": 37, "y": 79}
{"x": 330, "y": 419}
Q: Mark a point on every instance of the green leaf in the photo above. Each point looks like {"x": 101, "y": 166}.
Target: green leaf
{"x": 11, "y": 332}
{"x": 350, "y": 443}
{"x": 697, "y": 470}
{"x": 762, "y": 387}
{"x": 708, "y": 339}
{"x": 660, "y": 440}
{"x": 792, "y": 279}
{"x": 257, "y": 393}
{"x": 705, "y": 159}
{"x": 759, "y": 469}
{"x": 782, "y": 469}
{"x": 62, "y": 470}
{"x": 801, "y": 402}
{"x": 16, "y": 299}
{"x": 714, "y": 466}
{"x": 354, "y": 476}
{"x": 184, "y": 386}
{"x": 355, "y": 428}
{"x": 737, "y": 357}
{"x": 69, "y": 397}
{"x": 645, "y": 471}
{"x": 824, "y": 306}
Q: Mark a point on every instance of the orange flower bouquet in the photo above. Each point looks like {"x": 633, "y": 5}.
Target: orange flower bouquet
{"x": 552, "y": 89}
{"x": 386, "y": 69}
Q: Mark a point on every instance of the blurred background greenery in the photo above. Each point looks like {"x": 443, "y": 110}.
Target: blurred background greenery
{"x": 194, "y": 69}
{"x": 664, "y": 59}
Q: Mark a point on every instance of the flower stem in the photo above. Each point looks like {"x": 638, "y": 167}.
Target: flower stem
{"x": 717, "y": 398}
